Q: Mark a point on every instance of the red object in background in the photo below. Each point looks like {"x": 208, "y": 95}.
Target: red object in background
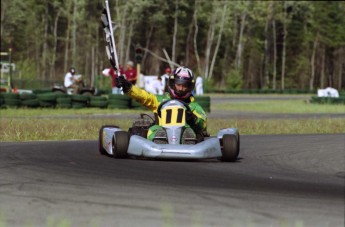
{"x": 114, "y": 75}
{"x": 131, "y": 75}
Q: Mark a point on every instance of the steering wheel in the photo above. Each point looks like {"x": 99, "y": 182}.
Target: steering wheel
{"x": 144, "y": 115}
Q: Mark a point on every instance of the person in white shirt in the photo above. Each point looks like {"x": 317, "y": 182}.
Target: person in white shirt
{"x": 69, "y": 78}
{"x": 199, "y": 86}
{"x": 156, "y": 87}
{"x": 72, "y": 81}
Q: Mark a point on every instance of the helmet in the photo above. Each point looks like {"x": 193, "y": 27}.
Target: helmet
{"x": 185, "y": 76}
{"x": 72, "y": 70}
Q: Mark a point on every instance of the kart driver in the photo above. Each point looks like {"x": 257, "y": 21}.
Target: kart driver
{"x": 180, "y": 86}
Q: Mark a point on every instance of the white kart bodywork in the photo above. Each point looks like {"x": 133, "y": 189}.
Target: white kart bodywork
{"x": 141, "y": 147}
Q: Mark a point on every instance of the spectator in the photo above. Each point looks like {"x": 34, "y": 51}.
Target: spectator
{"x": 131, "y": 73}
{"x": 157, "y": 86}
{"x": 199, "y": 86}
{"x": 165, "y": 78}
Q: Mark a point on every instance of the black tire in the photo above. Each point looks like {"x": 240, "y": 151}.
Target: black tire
{"x": 230, "y": 149}
{"x": 120, "y": 147}
{"x": 101, "y": 150}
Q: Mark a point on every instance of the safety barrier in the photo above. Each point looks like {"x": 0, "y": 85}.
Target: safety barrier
{"x": 54, "y": 100}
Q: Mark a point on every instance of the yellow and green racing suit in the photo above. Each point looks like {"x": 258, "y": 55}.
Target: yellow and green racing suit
{"x": 152, "y": 102}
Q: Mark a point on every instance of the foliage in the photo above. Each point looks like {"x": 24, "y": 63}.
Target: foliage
{"x": 27, "y": 69}
{"x": 248, "y": 37}
{"x": 234, "y": 80}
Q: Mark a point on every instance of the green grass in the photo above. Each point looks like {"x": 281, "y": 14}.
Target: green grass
{"x": 69, "y": 129}
{"x": 39, "y": 112}
{"x": 282, "y": 106}
{"x": 39, "y": 124}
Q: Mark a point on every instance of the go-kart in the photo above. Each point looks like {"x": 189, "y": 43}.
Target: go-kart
{"x": 118, "y": 143}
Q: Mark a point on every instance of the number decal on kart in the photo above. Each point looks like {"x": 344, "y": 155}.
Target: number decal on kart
{"x": 173, "y": 116}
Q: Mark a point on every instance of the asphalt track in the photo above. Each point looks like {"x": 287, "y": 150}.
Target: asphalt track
{"x": 279, "y": 180}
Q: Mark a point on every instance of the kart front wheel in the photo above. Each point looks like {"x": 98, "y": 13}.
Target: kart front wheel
{"x": 230, "y": 148}
{"x": 120, "y": 144}
{"x": 101, "y": 150}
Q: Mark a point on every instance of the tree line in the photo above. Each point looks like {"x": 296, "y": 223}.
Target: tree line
{"x": 232, "y": 44}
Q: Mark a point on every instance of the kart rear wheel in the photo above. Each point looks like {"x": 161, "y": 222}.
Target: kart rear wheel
{"x": 230, "y": 148}
{"x": 120, "y": 144}
{"x": 102, "y": 151}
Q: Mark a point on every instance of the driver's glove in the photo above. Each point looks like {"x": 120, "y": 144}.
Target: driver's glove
{"x": 122, "y": 82}
{"x": 190, "y": 118}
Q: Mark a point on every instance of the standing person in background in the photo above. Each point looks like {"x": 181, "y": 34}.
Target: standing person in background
{"x": 157, "y": 86}
{"x": 131, "y": 73}
{"x": 165, "y": 78}
{"x": 199, "y": 86}
{"x": 111, "y": 72}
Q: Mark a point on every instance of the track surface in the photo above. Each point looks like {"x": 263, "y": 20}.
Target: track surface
{"x": 279, "y": 180}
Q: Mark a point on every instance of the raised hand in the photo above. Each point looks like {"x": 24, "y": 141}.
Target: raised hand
{"x": 121, "y": 82}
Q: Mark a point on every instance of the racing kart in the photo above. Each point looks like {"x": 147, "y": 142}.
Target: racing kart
{"x": 118, "y": 143}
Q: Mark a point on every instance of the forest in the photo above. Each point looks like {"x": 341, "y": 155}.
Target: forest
{"x": 232, "y": 44}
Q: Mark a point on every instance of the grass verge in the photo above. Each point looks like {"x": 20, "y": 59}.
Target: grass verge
{"x": 281, "y": 106}
{"x": 22, "y": 129}
{"x": 25, "y": 124}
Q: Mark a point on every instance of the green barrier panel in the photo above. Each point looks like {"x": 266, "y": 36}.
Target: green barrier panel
{"x": 32, "y": 103}
{"x": 67, "y": 100}
{"x": 99, "y": 103}
{"x": 12, "y": 102}
{"x": 27, "y": 96}
{"x": 47, "y": 97}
